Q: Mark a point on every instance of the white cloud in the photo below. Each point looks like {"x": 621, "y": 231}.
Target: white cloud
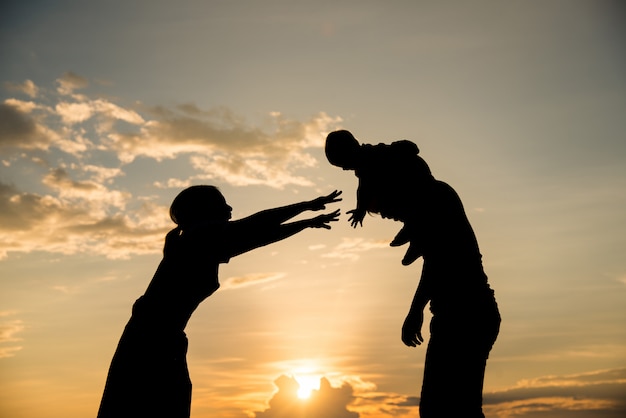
{"x": 116, "y": 112}
{"x": 83, "y": 109}
{"x": 71, "y": 113}
{"x": 101, "y": 174}
{"x": 172, "y": 183}
{"x": 23, "y": 106}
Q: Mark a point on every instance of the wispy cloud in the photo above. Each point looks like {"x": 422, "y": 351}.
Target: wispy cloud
{"x": 27, "y": 87}
{"x": 69, "y": 82}
{"x": 597, "y": 393}
{"x": 240, "y": 170}
{"x": 9, "y": 328}
{"x": 250, "y": 280}
{"x": 351, "y": 248}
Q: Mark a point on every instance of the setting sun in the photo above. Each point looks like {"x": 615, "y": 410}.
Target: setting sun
{"x": 308, "y": 383}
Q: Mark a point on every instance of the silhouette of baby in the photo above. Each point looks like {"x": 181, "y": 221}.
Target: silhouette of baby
{"x": 388, "y": 175}
{"x": 148, "y": 376}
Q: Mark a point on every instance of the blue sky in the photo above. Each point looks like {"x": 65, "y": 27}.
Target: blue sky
{"x": 109, "y": 109}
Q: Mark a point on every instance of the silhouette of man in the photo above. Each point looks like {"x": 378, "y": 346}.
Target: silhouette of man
{"x": 148, "y": 376}
{"x": 466, "y": 320}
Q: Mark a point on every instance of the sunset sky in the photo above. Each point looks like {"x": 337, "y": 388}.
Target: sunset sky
{"x": 108, "y": 109}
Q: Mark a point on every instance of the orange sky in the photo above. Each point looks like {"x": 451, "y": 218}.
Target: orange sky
{"x": 109, "y": 110}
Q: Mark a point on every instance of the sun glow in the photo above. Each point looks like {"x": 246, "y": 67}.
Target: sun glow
{"x": 308, "y": 383}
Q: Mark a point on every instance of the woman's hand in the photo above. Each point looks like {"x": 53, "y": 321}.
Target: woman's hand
{"x": 412, "y": 329}
{"x": 322, "y": 221}
{"x": 321, "y": 202}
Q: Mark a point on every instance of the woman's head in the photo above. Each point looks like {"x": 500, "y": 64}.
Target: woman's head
{"x": 198, "y": 204}
{"x": 342, "y": 149}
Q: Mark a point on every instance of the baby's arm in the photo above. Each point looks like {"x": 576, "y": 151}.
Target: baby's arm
{"x": 356, "y": 217}
{"x": 358, "y": 214}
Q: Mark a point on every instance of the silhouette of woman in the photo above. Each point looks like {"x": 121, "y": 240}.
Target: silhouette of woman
{"x": 148, "y": 376}
{"x": 466, "y": 320}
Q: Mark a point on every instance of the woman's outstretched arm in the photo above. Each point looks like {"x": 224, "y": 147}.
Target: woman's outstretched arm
{"x": 277, "y": 216}
{"x": 256, "y": 235}
{"x": 268, "y": 226}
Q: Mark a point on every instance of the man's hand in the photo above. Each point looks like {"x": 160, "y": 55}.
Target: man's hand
{"x": 412, "y": 329}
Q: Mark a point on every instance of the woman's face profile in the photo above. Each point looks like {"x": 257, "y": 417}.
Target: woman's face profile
{"x": 222, "y": 211}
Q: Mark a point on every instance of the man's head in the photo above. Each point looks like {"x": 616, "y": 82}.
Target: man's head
{"x": 342, "y": 149}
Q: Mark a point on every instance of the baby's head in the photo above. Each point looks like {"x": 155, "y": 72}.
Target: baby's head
{"x": 199, "y": 204}
{"x": 342, "y": 149}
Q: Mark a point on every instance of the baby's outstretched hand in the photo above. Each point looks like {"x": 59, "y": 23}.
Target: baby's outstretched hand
{"x": 356, "y": 217}
{"x": 322, "y": 221}
{"x": 321, "y": 202}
